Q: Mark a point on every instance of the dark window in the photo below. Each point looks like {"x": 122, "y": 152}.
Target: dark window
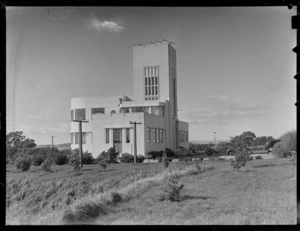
{"x": 72, "y": 115}
{"x": 117, "y": 135}
{"x": 80, "y": 114}
{"x": 107, "y": 135}
{"x": 154, "y": 135}
{"x": 100, "y": 110}
{"x": 148, "y": 135}
{"x": 127, "y": 135}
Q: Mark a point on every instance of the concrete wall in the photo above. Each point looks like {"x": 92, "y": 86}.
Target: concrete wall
{"x": 153, "y": 121}
{"x": 101, "y": 122}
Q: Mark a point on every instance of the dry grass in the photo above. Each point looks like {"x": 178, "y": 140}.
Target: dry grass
{"x": 261, "y": 193}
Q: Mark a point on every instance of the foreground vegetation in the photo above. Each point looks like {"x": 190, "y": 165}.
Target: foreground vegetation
{"x": 261, "y": 193}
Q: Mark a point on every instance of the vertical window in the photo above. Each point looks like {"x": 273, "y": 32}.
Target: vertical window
{"x": 127, "y": 135}
{"x": 72, "y": 142}
{"x": 107, "y": 135}
{"x": 146, "y": 92}
{"x": 76, "y": 138}
{"x": 83, "y": 138}
{"x": 72, "y": 115}
{"x": 157, "y": 135}
{"x": 148, "y": 135}
{"x": 154, "y": 135}
{"x": 161, "y": 136}
{"x": 117, "y": 135}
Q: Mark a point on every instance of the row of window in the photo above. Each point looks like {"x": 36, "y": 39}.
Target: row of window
{"x": 80, "y": 113}
{"x": 183, "y": 137}
{"x": 158, "y": 135}
{"x": 117, "y": 135}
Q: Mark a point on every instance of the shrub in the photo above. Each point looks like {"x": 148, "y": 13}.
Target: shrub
{"x": 169, "y": 152}
{"x": 102, "y": 164}
{"x": 140, "y": 159}
{"x": 258, "y": 158}
{"x": 61, "y": 159}
{"x": 87, "y": 158}
{"x": 127, "y": 158}
{"x": 75, "y": 163}
{"x": 23, "y": 164}
{"x": 164, "y": 160}
{"x": 156, "y": 154}
{"x": 289, "y": 139}
{"x": 239, "y": 161}
{"x": 281, "y": 150}
{"x": 112, "y": 155}
{"x": 46, "y": 165}
{"x": 172, "y": 189}
{"x": 116, "y": 197}
{"x": 37, "y": 159}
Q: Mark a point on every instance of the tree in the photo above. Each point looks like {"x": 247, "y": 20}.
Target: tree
{"x": 241, "y": 145}
{"x": 18, "y": 140}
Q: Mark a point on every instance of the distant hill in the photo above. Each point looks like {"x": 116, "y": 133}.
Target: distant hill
{"x": 58, "y": 146}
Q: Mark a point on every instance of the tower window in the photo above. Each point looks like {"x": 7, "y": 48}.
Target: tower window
{"x": 151, "y": 75}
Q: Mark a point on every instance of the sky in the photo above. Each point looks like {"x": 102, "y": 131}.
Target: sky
{"x": 235, "y": 65}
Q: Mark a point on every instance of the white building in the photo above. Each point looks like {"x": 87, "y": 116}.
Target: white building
{"x": 154, "y": 106}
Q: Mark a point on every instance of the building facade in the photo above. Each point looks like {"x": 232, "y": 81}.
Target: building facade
{"x": 154, "y": 107}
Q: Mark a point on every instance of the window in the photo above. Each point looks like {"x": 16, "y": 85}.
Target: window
{"x": 157, "y": 135}
{"x": 107, "y": 135}
{"x": 154, "y": 135}
{"x": 72, "y": 115}
{"x": 100, "y": 110}
{"x": 117, "y": 135}
{"x": 76, "y": 136}
{"x": 84, "y": 138}
{"x": 148, "y": 135}
{"x": 72, "y": 138}
{"x": 151, "y": 75}
{"x": 127, "y": 135}
{"x": 161, "y": 136}
{"x": 80, "y": 114}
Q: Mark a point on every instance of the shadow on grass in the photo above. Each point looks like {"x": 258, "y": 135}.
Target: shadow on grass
{"x": 188, "y": 197}
{"x": 106, "y": 170}
{"x": 270, "y": 165}
{"x": 249, "y": 170}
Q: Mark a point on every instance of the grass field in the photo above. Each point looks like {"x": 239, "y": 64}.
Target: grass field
{"x": 261, "y": 193}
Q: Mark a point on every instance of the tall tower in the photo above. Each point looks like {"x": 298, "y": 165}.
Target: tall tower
{"x": 154, "y": 74}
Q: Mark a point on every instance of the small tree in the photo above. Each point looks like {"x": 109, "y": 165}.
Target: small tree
{"x": 241, "y": 145}
{"x": 165, "y": 160}
{"x": 46, "y": 165}
{"x": 23, "y": 164}
{"x": 172, "y": 189}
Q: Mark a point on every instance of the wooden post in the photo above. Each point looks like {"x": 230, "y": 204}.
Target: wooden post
{"x": 80, "y": 138}
{"x": 135, "y": 142}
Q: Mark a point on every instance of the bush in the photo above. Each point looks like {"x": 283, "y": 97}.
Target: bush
{"x": 87, "y": 158}
{"x": 23, "y": 164}
{"x": 112, "y": 155}
{"x": 46, "y": 165}
{"x": 281, "y": 150}
{"x": 239, "y": 161}
{"x": 75, "y": 163}
{"x": 258, "y": 158}
{"x": 289, "y": 139}
{"x": 102, "y": 164}
{"x": 140, "y": 159}
{"x": 169, "y": 152}
{"x": 172, "y": 189}
{"x": 61, "y": 159}
{"x": 127, "y": 158}
{"x": 156, "y": 154}
{"x": 37, "y": 159}
{"x": 116, "y": 197}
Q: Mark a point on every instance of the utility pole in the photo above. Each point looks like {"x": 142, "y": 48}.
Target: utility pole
{"x": 52, "y": 141}
{"x": 215, "y": 138}
{"x": 80, "y": 138}
{"x": 135, "y": 143}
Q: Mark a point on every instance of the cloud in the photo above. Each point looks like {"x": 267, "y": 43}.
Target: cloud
{"x": 223, "y": 110}
{"x": 34, "y": 117}
{"x": 94, "y": 23}
{"x": 42, "y": 129}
